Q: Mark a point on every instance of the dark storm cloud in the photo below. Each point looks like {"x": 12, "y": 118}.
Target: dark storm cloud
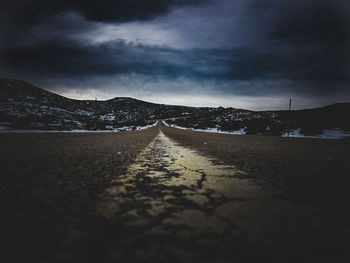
{"x": 317, "y": 22}
{"x": 218, "y": 41}
{"x": 31, "y": 11}
{"x": 18, "y": 16}
{"x": 70, "y": 58}
{"x": 319, "y": 34}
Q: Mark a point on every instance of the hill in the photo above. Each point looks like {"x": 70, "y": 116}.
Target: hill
{"x": 24, "y": 106}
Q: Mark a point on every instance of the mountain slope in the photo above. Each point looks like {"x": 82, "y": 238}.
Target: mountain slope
{"x": 24, "y": 106}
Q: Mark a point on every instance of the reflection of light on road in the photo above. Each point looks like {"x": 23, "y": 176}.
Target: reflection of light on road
{"x": 168, "y": 164}
{"x": 178, "y": 188}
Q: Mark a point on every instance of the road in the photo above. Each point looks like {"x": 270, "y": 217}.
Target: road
{"x": 159, "y": 195}
{"x": 173, "y": 202}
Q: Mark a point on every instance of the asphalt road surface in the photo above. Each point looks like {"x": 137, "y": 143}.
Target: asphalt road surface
{"x": 145, "y": 197}
{"x": 183, "y": 206}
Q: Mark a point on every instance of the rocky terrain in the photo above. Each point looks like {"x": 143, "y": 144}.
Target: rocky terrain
{"x": 23, "y": 106}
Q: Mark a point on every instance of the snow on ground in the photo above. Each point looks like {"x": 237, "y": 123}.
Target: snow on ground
{"x": 107, "y": 117}
{"x": 327, "y": 134}
{"x": 146, "y": 127}
{"x": 210, "y": 130}
{"x": 83, "y": 112}
{"x": 4, "y": 129}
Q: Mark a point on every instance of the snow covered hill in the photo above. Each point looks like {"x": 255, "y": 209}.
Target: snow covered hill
{"x": 26, "y": 107}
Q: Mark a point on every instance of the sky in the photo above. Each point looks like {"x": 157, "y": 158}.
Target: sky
{"x": 253, "y": 54}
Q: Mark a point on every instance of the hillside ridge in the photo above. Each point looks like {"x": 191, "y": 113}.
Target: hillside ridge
{"x": 25, "y": 106}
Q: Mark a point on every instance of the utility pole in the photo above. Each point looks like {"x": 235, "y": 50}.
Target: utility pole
{"x": 95, "y": 118}
{"x": 290, "y": 115}
{"x": 290, "y": 104}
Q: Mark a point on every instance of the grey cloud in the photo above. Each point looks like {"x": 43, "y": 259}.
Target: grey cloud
{"x": 31, "y": 11}
{"x": 245, "y": 47}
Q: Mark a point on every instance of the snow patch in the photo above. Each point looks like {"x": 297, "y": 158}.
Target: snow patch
{"x": 107, "y": 117}
{"x": 327, "y": 134}
{"x": 209, "y": 130}
{"x": 3, "y": 129}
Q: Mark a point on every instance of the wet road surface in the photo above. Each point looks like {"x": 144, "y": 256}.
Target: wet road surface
{"x": 174, "y": 203}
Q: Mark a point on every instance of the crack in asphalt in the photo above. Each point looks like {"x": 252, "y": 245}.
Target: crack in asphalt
{"x": 172, "y": 190}
{"x": 179, "y": 199}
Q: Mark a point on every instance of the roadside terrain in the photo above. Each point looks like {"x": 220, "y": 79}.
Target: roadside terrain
{"x": 49, "y": 186}
{"x": 168, "y": 195}
{"x": 304, "y": 170}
